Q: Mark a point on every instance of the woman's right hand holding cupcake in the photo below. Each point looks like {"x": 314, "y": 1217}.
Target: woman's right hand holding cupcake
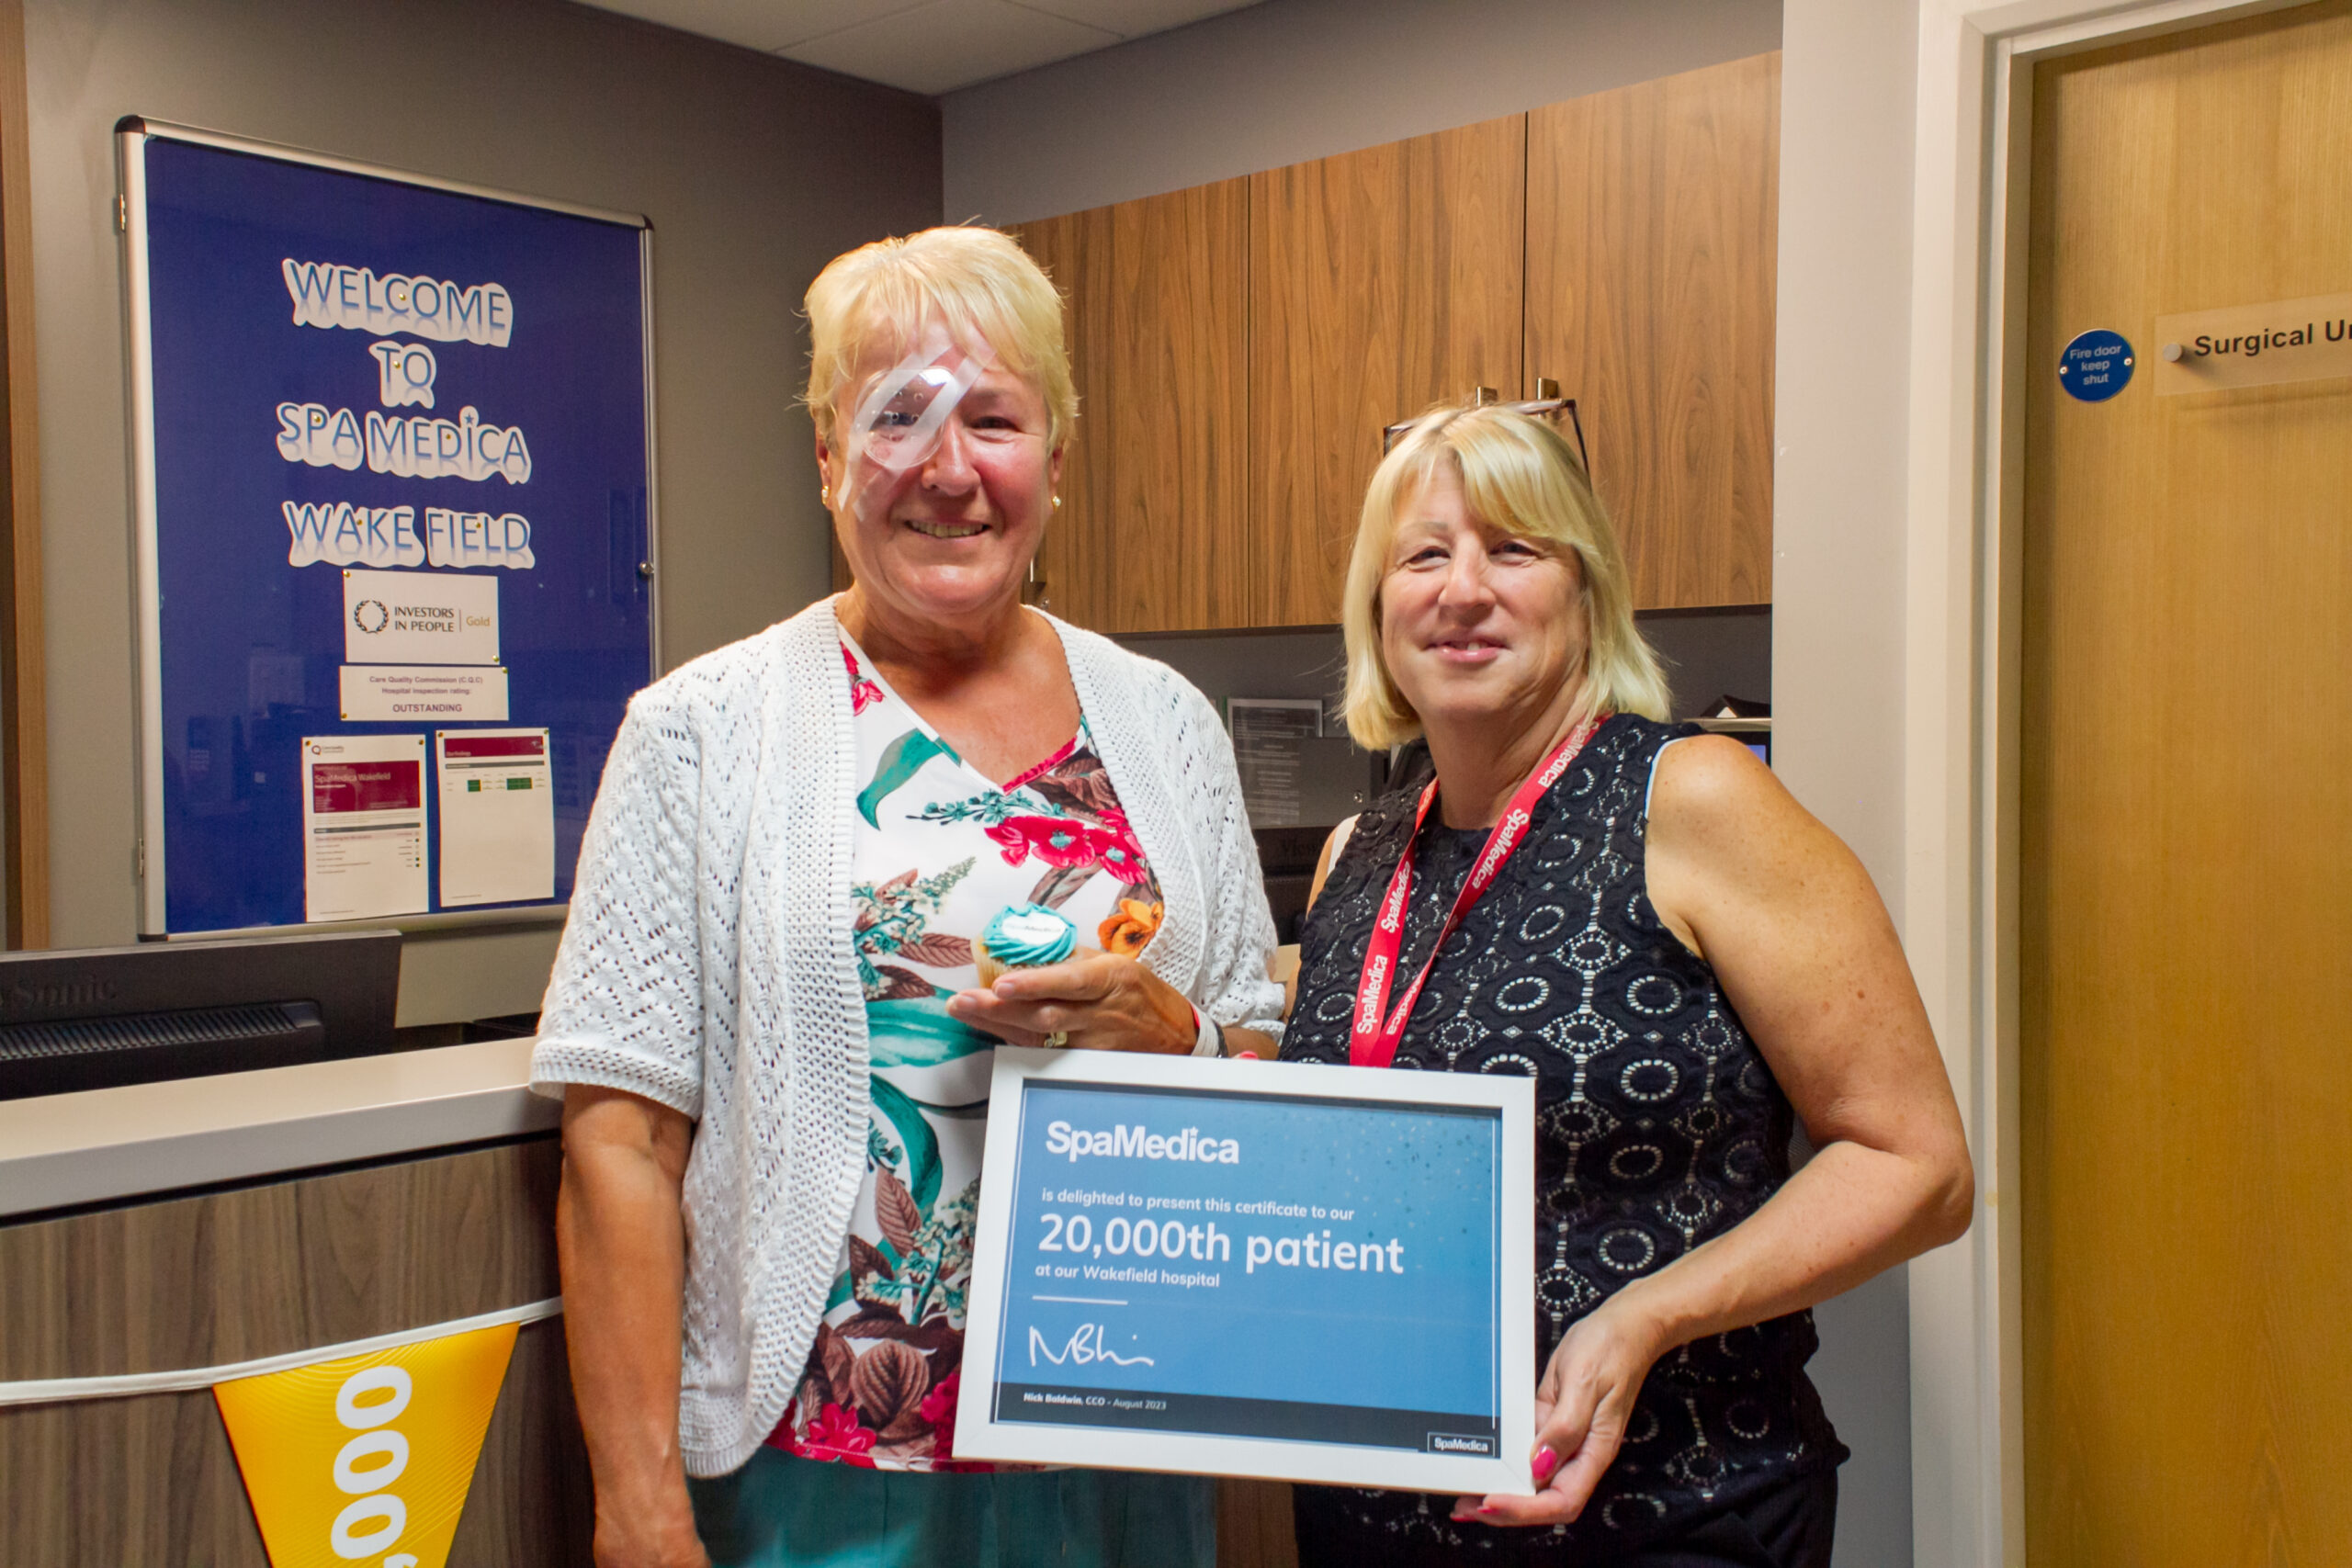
{"x": 1097, "y": 1001}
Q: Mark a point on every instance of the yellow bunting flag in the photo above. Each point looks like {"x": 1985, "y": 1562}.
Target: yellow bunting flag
{"x": 366, "y": 1458}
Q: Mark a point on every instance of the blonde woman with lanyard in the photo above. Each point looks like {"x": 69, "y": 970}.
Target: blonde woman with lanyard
{"x": 830, "y": 867}
{"x": 1688, "y": 963}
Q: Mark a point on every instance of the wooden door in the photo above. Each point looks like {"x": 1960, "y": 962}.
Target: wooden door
{"x": 23, "y": 737}
{"x": 1073, "y": 561}
{"x": 1379, "y": 282}
{"x": 1653, "y": 222}
{"x": 2185, "y": 1020}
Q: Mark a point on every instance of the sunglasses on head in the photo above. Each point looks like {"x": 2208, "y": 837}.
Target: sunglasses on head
{"x": 1550, "y": 406}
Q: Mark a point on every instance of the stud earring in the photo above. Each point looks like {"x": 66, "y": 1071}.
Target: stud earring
{"x": 1058, "y": 503}
{"x": 824, "y": 495}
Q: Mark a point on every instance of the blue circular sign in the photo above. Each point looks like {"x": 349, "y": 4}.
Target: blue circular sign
{"x": 2096, "y": 366}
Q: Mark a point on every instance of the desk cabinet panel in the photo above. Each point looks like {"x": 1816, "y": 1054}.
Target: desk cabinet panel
{"x": 260, "y": 1271}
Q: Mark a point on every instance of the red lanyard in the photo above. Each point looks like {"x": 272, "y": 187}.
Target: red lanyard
{"x": 1373, "y": 1037}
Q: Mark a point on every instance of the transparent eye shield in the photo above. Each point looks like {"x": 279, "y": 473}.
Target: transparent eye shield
{"x": 899, "y": 422}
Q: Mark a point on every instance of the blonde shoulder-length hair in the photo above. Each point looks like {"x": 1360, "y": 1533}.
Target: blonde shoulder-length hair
{"x": 872, "y": 304}
{"x": 1520, "y": 475}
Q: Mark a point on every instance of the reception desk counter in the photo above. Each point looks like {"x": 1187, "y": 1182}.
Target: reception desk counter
{"x": 170, "y": 1227}
{"x": 173, "y": 1226}
{"x": 69, "y": 1150}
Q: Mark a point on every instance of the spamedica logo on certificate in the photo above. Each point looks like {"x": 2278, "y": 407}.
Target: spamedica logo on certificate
{"x": 1314, "y": 1270}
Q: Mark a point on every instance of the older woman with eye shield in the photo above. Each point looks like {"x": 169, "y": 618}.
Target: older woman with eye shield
{"x": 1641, "y": 919}
{"x": 828, "y": 869}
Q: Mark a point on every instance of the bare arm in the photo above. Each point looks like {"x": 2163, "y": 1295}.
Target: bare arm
{"x": 1804, "y": 949}
{"x": 1331, "y": 847}
{"x": 622, "y": 1242}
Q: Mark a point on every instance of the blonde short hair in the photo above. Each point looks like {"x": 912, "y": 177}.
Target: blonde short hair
{"x": 875, "y": 301}
{"x": 1520, "y": 475}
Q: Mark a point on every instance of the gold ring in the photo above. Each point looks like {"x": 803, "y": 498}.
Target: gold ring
{"x": 1057, "y": 1040}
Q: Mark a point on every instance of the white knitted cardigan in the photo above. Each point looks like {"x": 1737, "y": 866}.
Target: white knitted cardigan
{"x": 708, "y": 964}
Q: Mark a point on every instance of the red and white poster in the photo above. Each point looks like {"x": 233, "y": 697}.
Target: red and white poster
{"x": 362, "y": 827}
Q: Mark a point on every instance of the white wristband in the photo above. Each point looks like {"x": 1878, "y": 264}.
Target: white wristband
{"x": 1211, "y": 1041}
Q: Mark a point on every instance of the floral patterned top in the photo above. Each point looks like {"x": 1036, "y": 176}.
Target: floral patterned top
{"x": 938, "y": 849}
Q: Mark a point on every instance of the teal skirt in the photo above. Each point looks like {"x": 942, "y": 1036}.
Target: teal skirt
{"x": 778, "y": 1511}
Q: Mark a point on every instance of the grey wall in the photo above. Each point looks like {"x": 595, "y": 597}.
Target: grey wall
{"x": 1848, "y": 70}
{"x": 754, "y": 170}
{"x": 1291, "y": 80}
{"x": 1842, "y": 440}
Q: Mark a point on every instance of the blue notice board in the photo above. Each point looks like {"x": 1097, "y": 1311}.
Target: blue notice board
{"x": 391, "y": 466}
{"x": 1212, "y": 1265}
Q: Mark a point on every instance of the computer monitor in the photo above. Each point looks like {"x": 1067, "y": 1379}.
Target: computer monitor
{"x": 99, "y": 1017}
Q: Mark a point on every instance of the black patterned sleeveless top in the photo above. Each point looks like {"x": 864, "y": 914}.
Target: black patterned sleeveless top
{"x": 1658, "y": 1126}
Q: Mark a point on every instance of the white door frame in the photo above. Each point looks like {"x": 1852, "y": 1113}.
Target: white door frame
{"x": 1967, "y": 419}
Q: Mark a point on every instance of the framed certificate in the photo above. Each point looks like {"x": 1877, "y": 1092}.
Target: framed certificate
{"x": 1265, "y": 1268}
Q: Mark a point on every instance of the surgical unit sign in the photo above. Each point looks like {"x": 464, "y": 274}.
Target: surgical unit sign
{"x": 1181, "y": 1264}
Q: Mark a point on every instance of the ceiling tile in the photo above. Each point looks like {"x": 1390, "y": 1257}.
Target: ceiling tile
{"x": 763, "y": 24}
{"x": 947, "y": 44}
{"x": 1133, "y": 18}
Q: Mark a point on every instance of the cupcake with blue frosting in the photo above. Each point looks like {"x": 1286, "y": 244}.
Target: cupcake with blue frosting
{"x": 1022, "y": 936}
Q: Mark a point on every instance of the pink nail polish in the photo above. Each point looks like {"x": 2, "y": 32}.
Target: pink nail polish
{"x": 1546, "y": 1461}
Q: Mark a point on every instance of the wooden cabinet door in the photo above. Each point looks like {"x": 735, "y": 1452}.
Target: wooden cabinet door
{"x": 1152, "y": 533}
{"x": 1379, "y": 282}
{"x": 1180, "y": 547}
{"x": 1074, "y": 563}
{"x": 1652, "y": 235}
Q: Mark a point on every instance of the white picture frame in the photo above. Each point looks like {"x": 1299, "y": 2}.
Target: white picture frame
{"x": 1485, "y": 1126}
